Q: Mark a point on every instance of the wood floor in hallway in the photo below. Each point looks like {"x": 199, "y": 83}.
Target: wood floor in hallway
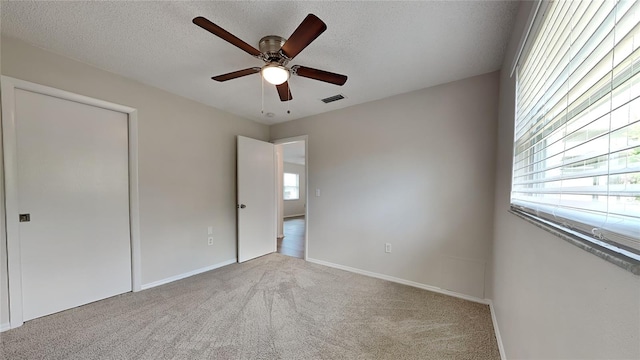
{"x": 293, "y": 242}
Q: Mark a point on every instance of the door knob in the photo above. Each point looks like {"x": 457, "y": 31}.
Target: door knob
{"x": 242, "y": 206}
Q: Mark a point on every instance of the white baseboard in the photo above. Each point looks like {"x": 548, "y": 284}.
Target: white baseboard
{"x": 401, "y": 281}
{"x": 290, "y": 216}
{"x": 5, "y": 327}
{"x": 503, "y": 354}
{"x": 187, "y": 274}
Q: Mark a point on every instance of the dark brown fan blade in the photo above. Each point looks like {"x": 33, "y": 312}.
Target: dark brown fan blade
{"x": 225, "y": 35}
{"x": 236, "y": 74}
{"x": 310, "y": 28}
{"x": 320, "y": 75}
{"x": 284, "y": 91}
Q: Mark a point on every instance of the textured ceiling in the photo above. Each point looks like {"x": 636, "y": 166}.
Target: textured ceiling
{"x": 386, "y": 48}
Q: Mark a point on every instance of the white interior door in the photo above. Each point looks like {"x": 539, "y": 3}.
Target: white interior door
{"x": 73, "y": 182}
{"x": 256, "y": 198}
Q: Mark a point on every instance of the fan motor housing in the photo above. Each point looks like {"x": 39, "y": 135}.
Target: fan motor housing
{"x": 270, "y": 46}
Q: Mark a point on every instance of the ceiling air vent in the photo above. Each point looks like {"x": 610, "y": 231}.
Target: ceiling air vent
{"x": 332, "y": 98}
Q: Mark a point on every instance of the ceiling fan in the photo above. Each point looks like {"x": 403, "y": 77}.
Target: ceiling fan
{"x": 276, "y": 52}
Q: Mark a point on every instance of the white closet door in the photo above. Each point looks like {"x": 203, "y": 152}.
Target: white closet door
{"x": 73, "y": 182}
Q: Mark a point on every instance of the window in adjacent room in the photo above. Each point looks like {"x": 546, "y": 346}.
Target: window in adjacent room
{"x": 577, "y": 128}
{"x": 291, "y": 186}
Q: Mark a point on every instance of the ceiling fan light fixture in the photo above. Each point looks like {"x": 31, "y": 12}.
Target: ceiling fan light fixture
{"x": 275, "y": 74}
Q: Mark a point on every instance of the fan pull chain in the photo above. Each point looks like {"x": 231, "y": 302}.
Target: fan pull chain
{"x": 289, "y": 99}
{"x": 262, "y": 86}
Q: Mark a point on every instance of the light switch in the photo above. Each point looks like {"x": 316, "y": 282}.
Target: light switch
{"x": 210, "y": 230}
{"x": 317, "y": 192}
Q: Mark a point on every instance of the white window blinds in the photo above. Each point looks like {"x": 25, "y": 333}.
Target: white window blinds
{"x": 577, "y": 130}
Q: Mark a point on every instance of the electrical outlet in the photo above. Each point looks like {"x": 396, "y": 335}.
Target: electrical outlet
{"x": 210, "y": 240}
{"x": 387, "y": 248}
{"x": 210, "y": 230}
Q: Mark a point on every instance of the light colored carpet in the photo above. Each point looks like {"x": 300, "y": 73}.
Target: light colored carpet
{"x": 274, "y": 307}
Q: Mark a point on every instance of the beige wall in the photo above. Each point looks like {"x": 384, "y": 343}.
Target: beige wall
{"x": 186, "y": 163}
{"x": 552, "y": 299}
{"x": 4, "y": 280}
{"x": 414, "y": 170}
{"x": 295, "y": 207}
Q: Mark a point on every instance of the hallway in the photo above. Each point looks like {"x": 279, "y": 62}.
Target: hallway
{"x": 293, "y": 242}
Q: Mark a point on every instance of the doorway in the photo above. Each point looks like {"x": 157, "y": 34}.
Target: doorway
{"x": 292, "y": 196}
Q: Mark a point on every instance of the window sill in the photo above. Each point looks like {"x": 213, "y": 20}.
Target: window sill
{"x": 628, "y": 263}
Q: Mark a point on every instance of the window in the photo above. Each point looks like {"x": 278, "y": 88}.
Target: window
{"x": 577, "y": 128}
{"x": 291, "y": 186}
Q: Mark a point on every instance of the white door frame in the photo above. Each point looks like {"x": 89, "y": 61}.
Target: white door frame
{"x": 10, "y": 211}
{"x": 304, "y": 138}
